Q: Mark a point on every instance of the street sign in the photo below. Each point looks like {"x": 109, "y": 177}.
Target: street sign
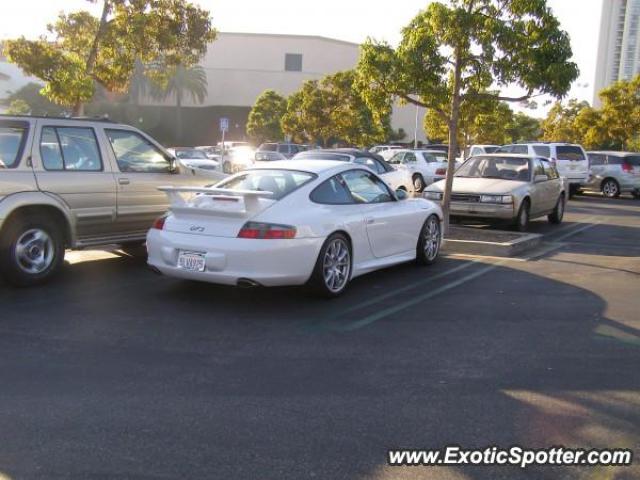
{"x": 224, "y": 124}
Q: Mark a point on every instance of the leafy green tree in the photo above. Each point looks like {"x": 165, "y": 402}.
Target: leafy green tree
{"x": 333, "y": 110}
{"x": 184, "y": 81}
{"x": 35, "y": 102}
{"x": 559, "y": 126}
{"x": 483, "y": 121}
{"x": 523, "y": 128}
{"x": 454, "y": 53}
{"x": 620, "y": 114}
{"x": 19, "y": 107}
{"x": 82, "y": 50}
{"x": 265, "y": 116}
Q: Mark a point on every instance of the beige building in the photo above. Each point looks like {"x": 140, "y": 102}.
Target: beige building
{"x": 619, "y": 44}
{"x": 240, "y": 66}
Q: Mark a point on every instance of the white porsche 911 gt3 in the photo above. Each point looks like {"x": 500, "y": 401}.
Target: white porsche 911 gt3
{"x": 292, "y": 223}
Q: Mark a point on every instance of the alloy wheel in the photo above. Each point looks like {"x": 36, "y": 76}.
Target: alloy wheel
{"x": 34, "y": 251}
{"x": 432, "y": 237}
{"x": 610, "y": 188}
{"x": 336, "y": 265}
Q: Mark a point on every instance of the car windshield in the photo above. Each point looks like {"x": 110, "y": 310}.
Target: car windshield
{"x": 191, "y": 154}
{"x": 278, "y": 182}
{"x": 11, "y": 143}
{"x": 322, "y": 156}
{"x": 504, "y": 168}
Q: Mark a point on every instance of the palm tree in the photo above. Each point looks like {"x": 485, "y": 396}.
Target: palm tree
{"x": 139, "y": 84}
{"x": 183, "y": 81}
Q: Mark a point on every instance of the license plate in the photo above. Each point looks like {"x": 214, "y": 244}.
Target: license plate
{"x": 192, "y": 261}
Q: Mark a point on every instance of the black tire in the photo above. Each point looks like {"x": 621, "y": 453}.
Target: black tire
{"x": 521, "y": 222}
{"x": 429, "y": 241}
{"x": 573, "y": 190}
{"x": 418, "y": 183}
{"x": 610, "y": 188}
{"x": 557, "y": 215}
{"x": 318, "y": 282}
{"x": 135, "y": 249}
{"x": 31, "y": 250}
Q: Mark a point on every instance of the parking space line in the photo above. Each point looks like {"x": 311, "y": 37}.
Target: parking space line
{"x": 412, "y": 286}
{"x": 368, "y": 320}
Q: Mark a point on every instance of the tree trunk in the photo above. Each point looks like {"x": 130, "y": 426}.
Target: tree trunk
{"x": 78, "y": 108}
{"x": 453, "y": 139}
{"x": 179, "y": 116}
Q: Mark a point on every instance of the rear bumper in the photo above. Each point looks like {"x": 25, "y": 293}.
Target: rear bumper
{"x": 267, "y": 262}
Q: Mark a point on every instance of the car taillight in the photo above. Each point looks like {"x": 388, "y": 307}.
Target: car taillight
{"x": 158, "y": 223}
{"x": 441, "y": 171}
{"x": 627, "y": 167}
{"x": 266, "y": 231}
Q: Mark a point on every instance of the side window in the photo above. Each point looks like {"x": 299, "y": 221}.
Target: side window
{"x": 396, "y": 159}
{"x": 596, "y": 159}
{"x": 332, "y": 192}
{"x": 136, "y": 154}
{"x": 475, "y": 151}
{"x": 283, "y": 149}
{"x": 409, "y": 157}
{"x": 429, "y": 158}
{"x": 549, "y": 170}
{"x": 370, "y": 163}
{"x": 538, "y": 169}
{"x": 542, "y": 150}
{"x": 520, "y": 149}
{"x": 366, "y": 187}
{"x": 613, "y": 160}
{"x": 70, "y": 148}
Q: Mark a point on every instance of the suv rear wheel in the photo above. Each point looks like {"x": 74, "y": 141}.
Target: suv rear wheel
{"x": 610, "y": 188}
{"x": 31, "y": 250}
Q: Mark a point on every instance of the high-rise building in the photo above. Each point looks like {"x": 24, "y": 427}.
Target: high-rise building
{"x": 619, "y": 44}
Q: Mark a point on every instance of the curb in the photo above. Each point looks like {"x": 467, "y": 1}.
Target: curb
{"x": 525, "y": 242}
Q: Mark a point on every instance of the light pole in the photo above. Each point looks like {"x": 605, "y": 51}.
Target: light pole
{"x": 415, "y": 130}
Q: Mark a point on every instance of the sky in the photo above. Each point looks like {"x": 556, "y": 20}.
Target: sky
{"x": 352, "y": 20}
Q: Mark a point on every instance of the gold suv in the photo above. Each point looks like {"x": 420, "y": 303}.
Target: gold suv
{"x": 76, "y": 183}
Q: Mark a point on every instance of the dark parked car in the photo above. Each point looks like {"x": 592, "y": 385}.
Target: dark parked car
{"x": 286, "y": 149}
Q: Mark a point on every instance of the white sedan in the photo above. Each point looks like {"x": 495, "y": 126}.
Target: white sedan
{"x": 293, "y": 222}
{"x": 424, "y": 166}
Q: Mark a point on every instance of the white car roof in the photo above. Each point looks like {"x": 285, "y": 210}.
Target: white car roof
{"x": 507, "y": 155}
{"x": 311, "y": 166}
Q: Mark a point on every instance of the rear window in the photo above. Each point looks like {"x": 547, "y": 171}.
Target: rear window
{"x": 490, "y": 149}
{"x": 278, "y": 182}
{"x": 568, "y": 152}
{"x": 268, "y": 147}
{"x": 542, "y": 150}
{"x": 322, "y": 156}
{"x": 12, "y": 140}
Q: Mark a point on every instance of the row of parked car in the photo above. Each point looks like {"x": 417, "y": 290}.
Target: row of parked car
{"x": 328, "y": 215}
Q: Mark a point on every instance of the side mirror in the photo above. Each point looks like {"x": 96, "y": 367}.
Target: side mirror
{"x": 401, "y": 194}
{"x": 540, "y": 178}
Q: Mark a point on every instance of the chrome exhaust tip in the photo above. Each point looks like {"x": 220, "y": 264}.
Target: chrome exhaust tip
{"x": 247, "y": 283}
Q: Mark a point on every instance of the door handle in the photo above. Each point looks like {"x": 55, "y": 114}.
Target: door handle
{"x": 123, "y": 181}
{"x": 369, "y": 220}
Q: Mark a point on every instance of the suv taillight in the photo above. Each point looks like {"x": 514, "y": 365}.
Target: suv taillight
{"x": 266, "y": 231}
{"x": 627, "y": 167}
{"x": 441, "y": 171}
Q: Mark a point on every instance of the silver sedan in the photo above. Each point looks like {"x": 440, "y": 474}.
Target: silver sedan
{"x": 511, "y": 188}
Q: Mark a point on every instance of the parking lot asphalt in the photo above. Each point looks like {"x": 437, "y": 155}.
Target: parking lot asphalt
{"x": 113, "y": 372}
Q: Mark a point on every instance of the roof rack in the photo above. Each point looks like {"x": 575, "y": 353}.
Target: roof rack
{"x": 105, "y": 119}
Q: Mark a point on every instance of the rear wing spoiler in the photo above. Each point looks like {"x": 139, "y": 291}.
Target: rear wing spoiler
{"x": 240, "y": 202}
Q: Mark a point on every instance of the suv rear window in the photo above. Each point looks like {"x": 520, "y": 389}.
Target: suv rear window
{"x": 12, "y": 139}
{"x": 569, "y": 153}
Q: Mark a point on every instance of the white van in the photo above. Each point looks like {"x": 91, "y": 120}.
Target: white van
{"x": 570, "y": 159}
